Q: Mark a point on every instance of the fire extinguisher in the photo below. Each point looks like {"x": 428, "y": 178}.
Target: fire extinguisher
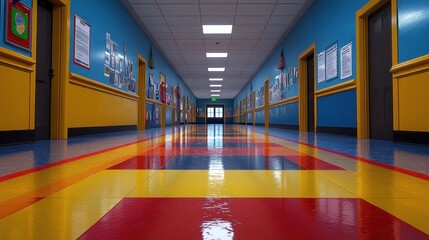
{"x": 162, "y": 92}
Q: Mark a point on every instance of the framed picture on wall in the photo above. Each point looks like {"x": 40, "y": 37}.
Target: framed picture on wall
{"x": 18, "y": 25}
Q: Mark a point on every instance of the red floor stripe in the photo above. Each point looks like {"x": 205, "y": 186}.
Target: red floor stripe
{"x": 249, "y": 218}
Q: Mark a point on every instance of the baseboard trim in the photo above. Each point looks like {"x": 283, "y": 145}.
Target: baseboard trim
{"x": 285, "y": 126}
{"x": 338, "y": 130}
{"x": 17, "y": 136}
{"x": 411, "y": 137}
{"x": 73, "y": 132}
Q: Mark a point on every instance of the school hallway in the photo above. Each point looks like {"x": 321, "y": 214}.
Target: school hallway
{"x": 214, "y": 182}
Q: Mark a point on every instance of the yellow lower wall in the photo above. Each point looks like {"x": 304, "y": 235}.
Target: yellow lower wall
{"x": 413, "y": 99}
{"x": 90, "y": 104}
{"x": 16, "y": 110}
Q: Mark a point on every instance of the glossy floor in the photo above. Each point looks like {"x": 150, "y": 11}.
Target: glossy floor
{"x": 214, "y": 182}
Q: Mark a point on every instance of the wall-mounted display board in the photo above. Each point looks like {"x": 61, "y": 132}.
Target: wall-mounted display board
{"x": 260, "y": 97}
{"x": 18, "y": 24}
{"x": 117, "y": 67}
{"x": 282, "y": 83}
{"x": 82, "y": 42}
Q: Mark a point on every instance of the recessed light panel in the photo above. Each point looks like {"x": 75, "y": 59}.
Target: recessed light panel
{"x": 215, "y": 95}
{"x": 216, "y": 91}
{"x": 215, "y": 79}
{"x": 217, "y": 29}
{"x": 216, "y": 69}
{"x": 215, "y": 85}
{"x": 217, "y": 55}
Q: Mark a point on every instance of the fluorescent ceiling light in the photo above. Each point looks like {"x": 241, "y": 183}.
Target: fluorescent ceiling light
{"x": 217, "y": 55}
{"x": 215, "y": 85}
{"x": 216, "y": 69}
{"x": 215, "y": 79}
{"x": 215, "y": 91}
{"x": 215, "y": 95}
{"x": 217, "y": 29}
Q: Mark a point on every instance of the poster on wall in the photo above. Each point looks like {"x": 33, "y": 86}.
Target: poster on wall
{"x": 18, "y": 24}
{"x": 346, "y": 61}
{"x": 321, "y": 67}
{"x": 82, "y": 41}
{"x": 332, "y": 61}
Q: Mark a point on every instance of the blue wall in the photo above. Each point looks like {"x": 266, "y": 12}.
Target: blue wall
{"x": 413, "y": 29}
{"x": 285, "y": 114}
{"x": 114, "y": 18}
{"x": 319, "y": 25}
{"x": 260, "y": 117}
{"x": 3, "y": 43}
{"x": 336, "y": 112}
{"x": 324, "y": 25}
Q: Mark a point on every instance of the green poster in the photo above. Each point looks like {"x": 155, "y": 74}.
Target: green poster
{"x": 19, "y": 23}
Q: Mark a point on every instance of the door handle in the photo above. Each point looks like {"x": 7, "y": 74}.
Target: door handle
{"x": 51, "y": 73}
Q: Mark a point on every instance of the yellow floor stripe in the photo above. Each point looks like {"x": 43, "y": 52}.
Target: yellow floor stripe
{"x": 238, "y": 183}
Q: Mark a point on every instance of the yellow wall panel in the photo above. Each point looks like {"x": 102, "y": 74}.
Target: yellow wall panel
{"x": 414, "y": 102}
{"x": 15, "y": 87}
{"x": 91, "y": 107}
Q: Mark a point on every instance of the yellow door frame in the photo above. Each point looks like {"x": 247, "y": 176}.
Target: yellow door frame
{"x": 267, "y": 102}
{"x": 362, "y": 81}
{"x": 303, "y": 86}
{"x": 141, "y": 105}
{"x": 60, "y": 64}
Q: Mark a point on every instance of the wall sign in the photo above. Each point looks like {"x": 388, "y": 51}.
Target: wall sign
{"x": 82, "y": 41}
{"x": 332, "y": 61}
{"x": 18, "y": 24}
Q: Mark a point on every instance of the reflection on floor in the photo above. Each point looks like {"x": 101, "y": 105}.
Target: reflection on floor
{"x": 214, "y": 182}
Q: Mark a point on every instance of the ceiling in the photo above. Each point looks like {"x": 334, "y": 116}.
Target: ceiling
{"x": 176, "y": 28}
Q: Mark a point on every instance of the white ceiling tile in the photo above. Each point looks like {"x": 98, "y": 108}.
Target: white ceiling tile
{"x": 271, "y": 35}
{"x": 217, "y": 20}
{"x": 158, "y": 29}
{"x": 254, "y": 9}
{"x": 216, "y": 61}
{"x": 162, "y": 35}
{"x": 280, "y": 20}
{"x": 176, "y": 1}
{"x": 183, "y": 20}
{"x": 287, "y": 9}
{"x": 180, "y": 9}
{"x": 266, "y": 44}
{"x": 190, "y": 42}
{"x": 243, "y": 44}
{"x": 153, "y": 21}
{"x": 247, "y": 35}
{"x": 257, "y": 1}
{"x": 217, "y": 9}
{"x": 147, "y": 10}
{"x": 293, "y": 1}
{"x": 251, "y": 20}
{"x": 194, "y": 47}
{"x": 143, "y": 1}
{"x": 277, "y": 29}
{"x": 186, "y": 29}
{"x": 218, "y": 1}
{"x": 189, "y": 35}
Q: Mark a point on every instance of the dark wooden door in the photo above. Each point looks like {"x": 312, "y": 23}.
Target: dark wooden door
{"x": 215, "y": 114}
{"x": 43, "y": 75}
{"x": 310, "y": 92}
{"x": 380, "y": 78}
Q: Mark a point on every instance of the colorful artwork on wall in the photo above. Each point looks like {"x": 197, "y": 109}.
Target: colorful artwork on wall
{"x": 18, "y": 24}
{"x": 121, "y": 68}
